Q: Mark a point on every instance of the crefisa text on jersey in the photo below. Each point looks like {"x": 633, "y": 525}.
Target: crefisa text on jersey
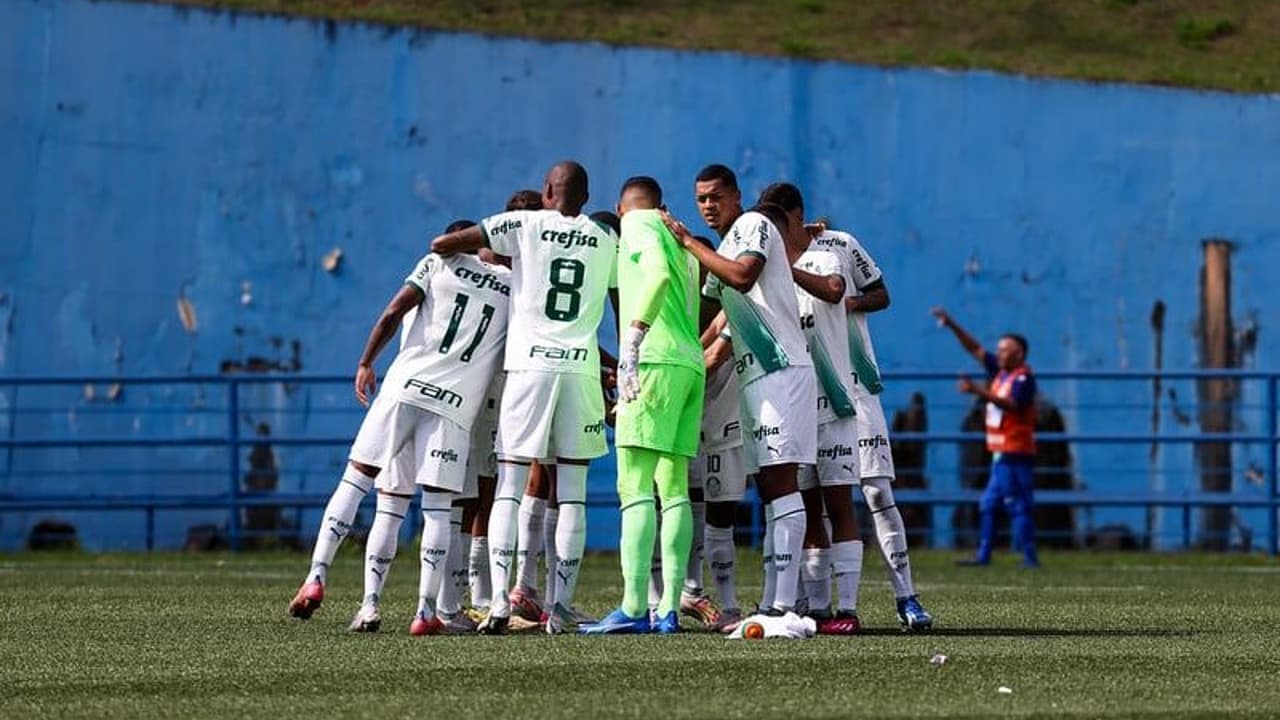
{"x": 482, "y": 280}
{"x": 571, "y": 238}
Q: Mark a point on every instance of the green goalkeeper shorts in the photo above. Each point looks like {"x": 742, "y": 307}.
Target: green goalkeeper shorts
{"x": 667, "y": 416}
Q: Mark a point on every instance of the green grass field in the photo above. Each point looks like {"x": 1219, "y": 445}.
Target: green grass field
{"x": 207, "y": 636}
{"x": 1227, "y": 44}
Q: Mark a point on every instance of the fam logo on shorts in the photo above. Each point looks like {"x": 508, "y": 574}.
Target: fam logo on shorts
{"x": 434, "y": 392}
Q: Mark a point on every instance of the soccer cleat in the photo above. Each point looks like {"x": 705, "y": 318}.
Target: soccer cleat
{"x": 844, "y": 622}
{"x": 519, "y": 624}
{"x": 307, "y": 600}
{"x": 617, "y": 623}
{"x": 728, "y": 621}
{"x": 367, "y": 620}
{"x": 493, "y": 625}
{"x": 558, "y": 620}
{"x": 459, "y": 624}
{"x": 699, "y": 607}
{"x": 668, "y": 624}
{"x": 477, "y": 615}
{"x": 913, "y": 616}
{"x": 525, "y": 603}
{"x": 426, "y": 626}
{"x": 581, "y": 618}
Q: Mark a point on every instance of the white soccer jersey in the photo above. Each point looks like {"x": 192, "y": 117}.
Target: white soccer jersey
{"x": 764, "y": 321}
{"x": 562, "y": 269}
{"x": 453, "y": 346}
{"x": 860, "y": 271}
{"x": 827, "y": 331}
{"x": 722, "y": 409}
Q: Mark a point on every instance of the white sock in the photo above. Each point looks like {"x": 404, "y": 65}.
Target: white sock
{"x": 481, "y": 592}
{"x": 338, "y": 516}
{"x": 788, "y": 542}
{"x": 512, "y": 479}
{"x": 693, "y": 572}
{"x": 529, "y": 540}
{"x": 571, "y": 529}
{"x": 722, "y": 557}
{"x": 770, "y": 575}
{"x": 891, "y": 535}
{"x": 435, "y": 549}
{"x": 550, "y": 523}
{"x": 449, "y": 599}
{"x": 846, "y": 560}
{"x": 380, "y": 547}
{"x": 817, "y": 578}
{"x": 655, "y": 567}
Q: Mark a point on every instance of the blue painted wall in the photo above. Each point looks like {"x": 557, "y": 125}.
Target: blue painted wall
{"x": 153, "y": 153}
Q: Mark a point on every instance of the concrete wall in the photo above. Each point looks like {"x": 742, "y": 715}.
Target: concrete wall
{"x": 154, "y": 153}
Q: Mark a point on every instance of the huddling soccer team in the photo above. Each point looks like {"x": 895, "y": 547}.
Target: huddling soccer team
{"x": 749, "y": 358}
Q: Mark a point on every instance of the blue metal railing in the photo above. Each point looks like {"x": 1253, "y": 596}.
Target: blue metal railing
{"x": 235, "y": 499}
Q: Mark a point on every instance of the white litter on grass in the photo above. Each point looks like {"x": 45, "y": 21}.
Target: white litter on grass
{"x": 938, "y": 660}
{"x": 1004, "y": 690}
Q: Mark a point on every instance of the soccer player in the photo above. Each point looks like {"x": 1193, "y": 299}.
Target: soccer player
{"x": 820, "y": 292}
{"x": 660, "y": 386}
{"x": 487, "y": 479}
{"x": 1011, "y": 428}
{"x": 419, "y": 427}
{"x": 563, "y": 265}
{"x": 366, "y": 458}
{"x": 752, "y": 278}
{"x": 868, "y": 293}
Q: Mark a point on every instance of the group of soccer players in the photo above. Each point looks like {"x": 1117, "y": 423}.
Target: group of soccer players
{"x": 750, "y": 358}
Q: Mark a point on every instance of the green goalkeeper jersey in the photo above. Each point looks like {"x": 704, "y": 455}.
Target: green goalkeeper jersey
{"x": 647, "y": 254}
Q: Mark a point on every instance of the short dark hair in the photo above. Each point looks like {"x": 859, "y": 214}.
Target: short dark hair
{"x": 776, "y": 214}
{"x": 645, "y": 184}
{"x": 1022, "y": 342}
{"x": 716, "y": 171}
{"x": 607, "y": 220}
{"x": 457, "y": 225}
{"x": 783, "y": 194}
{"x": 525, "y": 200}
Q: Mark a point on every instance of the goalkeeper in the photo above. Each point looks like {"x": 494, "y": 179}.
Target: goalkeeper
{"x": 660, "y": 387}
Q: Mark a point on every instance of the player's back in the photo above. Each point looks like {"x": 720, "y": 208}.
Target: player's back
{"x": 454, "y": 346}
{"x": 561, "y": 270}
{"x": 647, "y": 246}
{"x": 860, "y": 271}
{"x": 827, "y": 333}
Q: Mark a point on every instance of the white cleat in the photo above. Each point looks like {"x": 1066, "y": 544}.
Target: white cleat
{"x": 367, "y": 620}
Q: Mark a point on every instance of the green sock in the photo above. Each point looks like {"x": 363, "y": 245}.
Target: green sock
{"x": 672, "y": 478}
{"x": 639, "y": 522}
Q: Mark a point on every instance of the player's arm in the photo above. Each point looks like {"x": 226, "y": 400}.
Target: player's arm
{"x": 655, "y": 283}
{"x": 714, "y": 328}
{"x": 827, "y": 288}
{"x": 874, "y": 297}
{"x": 719, "y": 351}
{"x": 740, "y": 273}
{"x": 1020, "y": 397}
{"x": 409, "y": 297}
{"x": 464, "y": 240}
{"x": 972, "y": 346}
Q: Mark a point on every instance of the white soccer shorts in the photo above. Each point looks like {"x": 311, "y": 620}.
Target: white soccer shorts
{"x": 482, "y": 461}
{"x": 876, "y": 455}
{"x": 551, "y": 415}
{"x": 780, "y": 412}
{"x": 419, "y": 447}
{"x": 720, "y": 473}
{"x": 837, "y": 456}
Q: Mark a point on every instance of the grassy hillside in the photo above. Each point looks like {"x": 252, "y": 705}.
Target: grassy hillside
{"x": 1224, "y": 44}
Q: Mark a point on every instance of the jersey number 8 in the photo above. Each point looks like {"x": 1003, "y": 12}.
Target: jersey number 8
{"x": 566, "y": 288}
